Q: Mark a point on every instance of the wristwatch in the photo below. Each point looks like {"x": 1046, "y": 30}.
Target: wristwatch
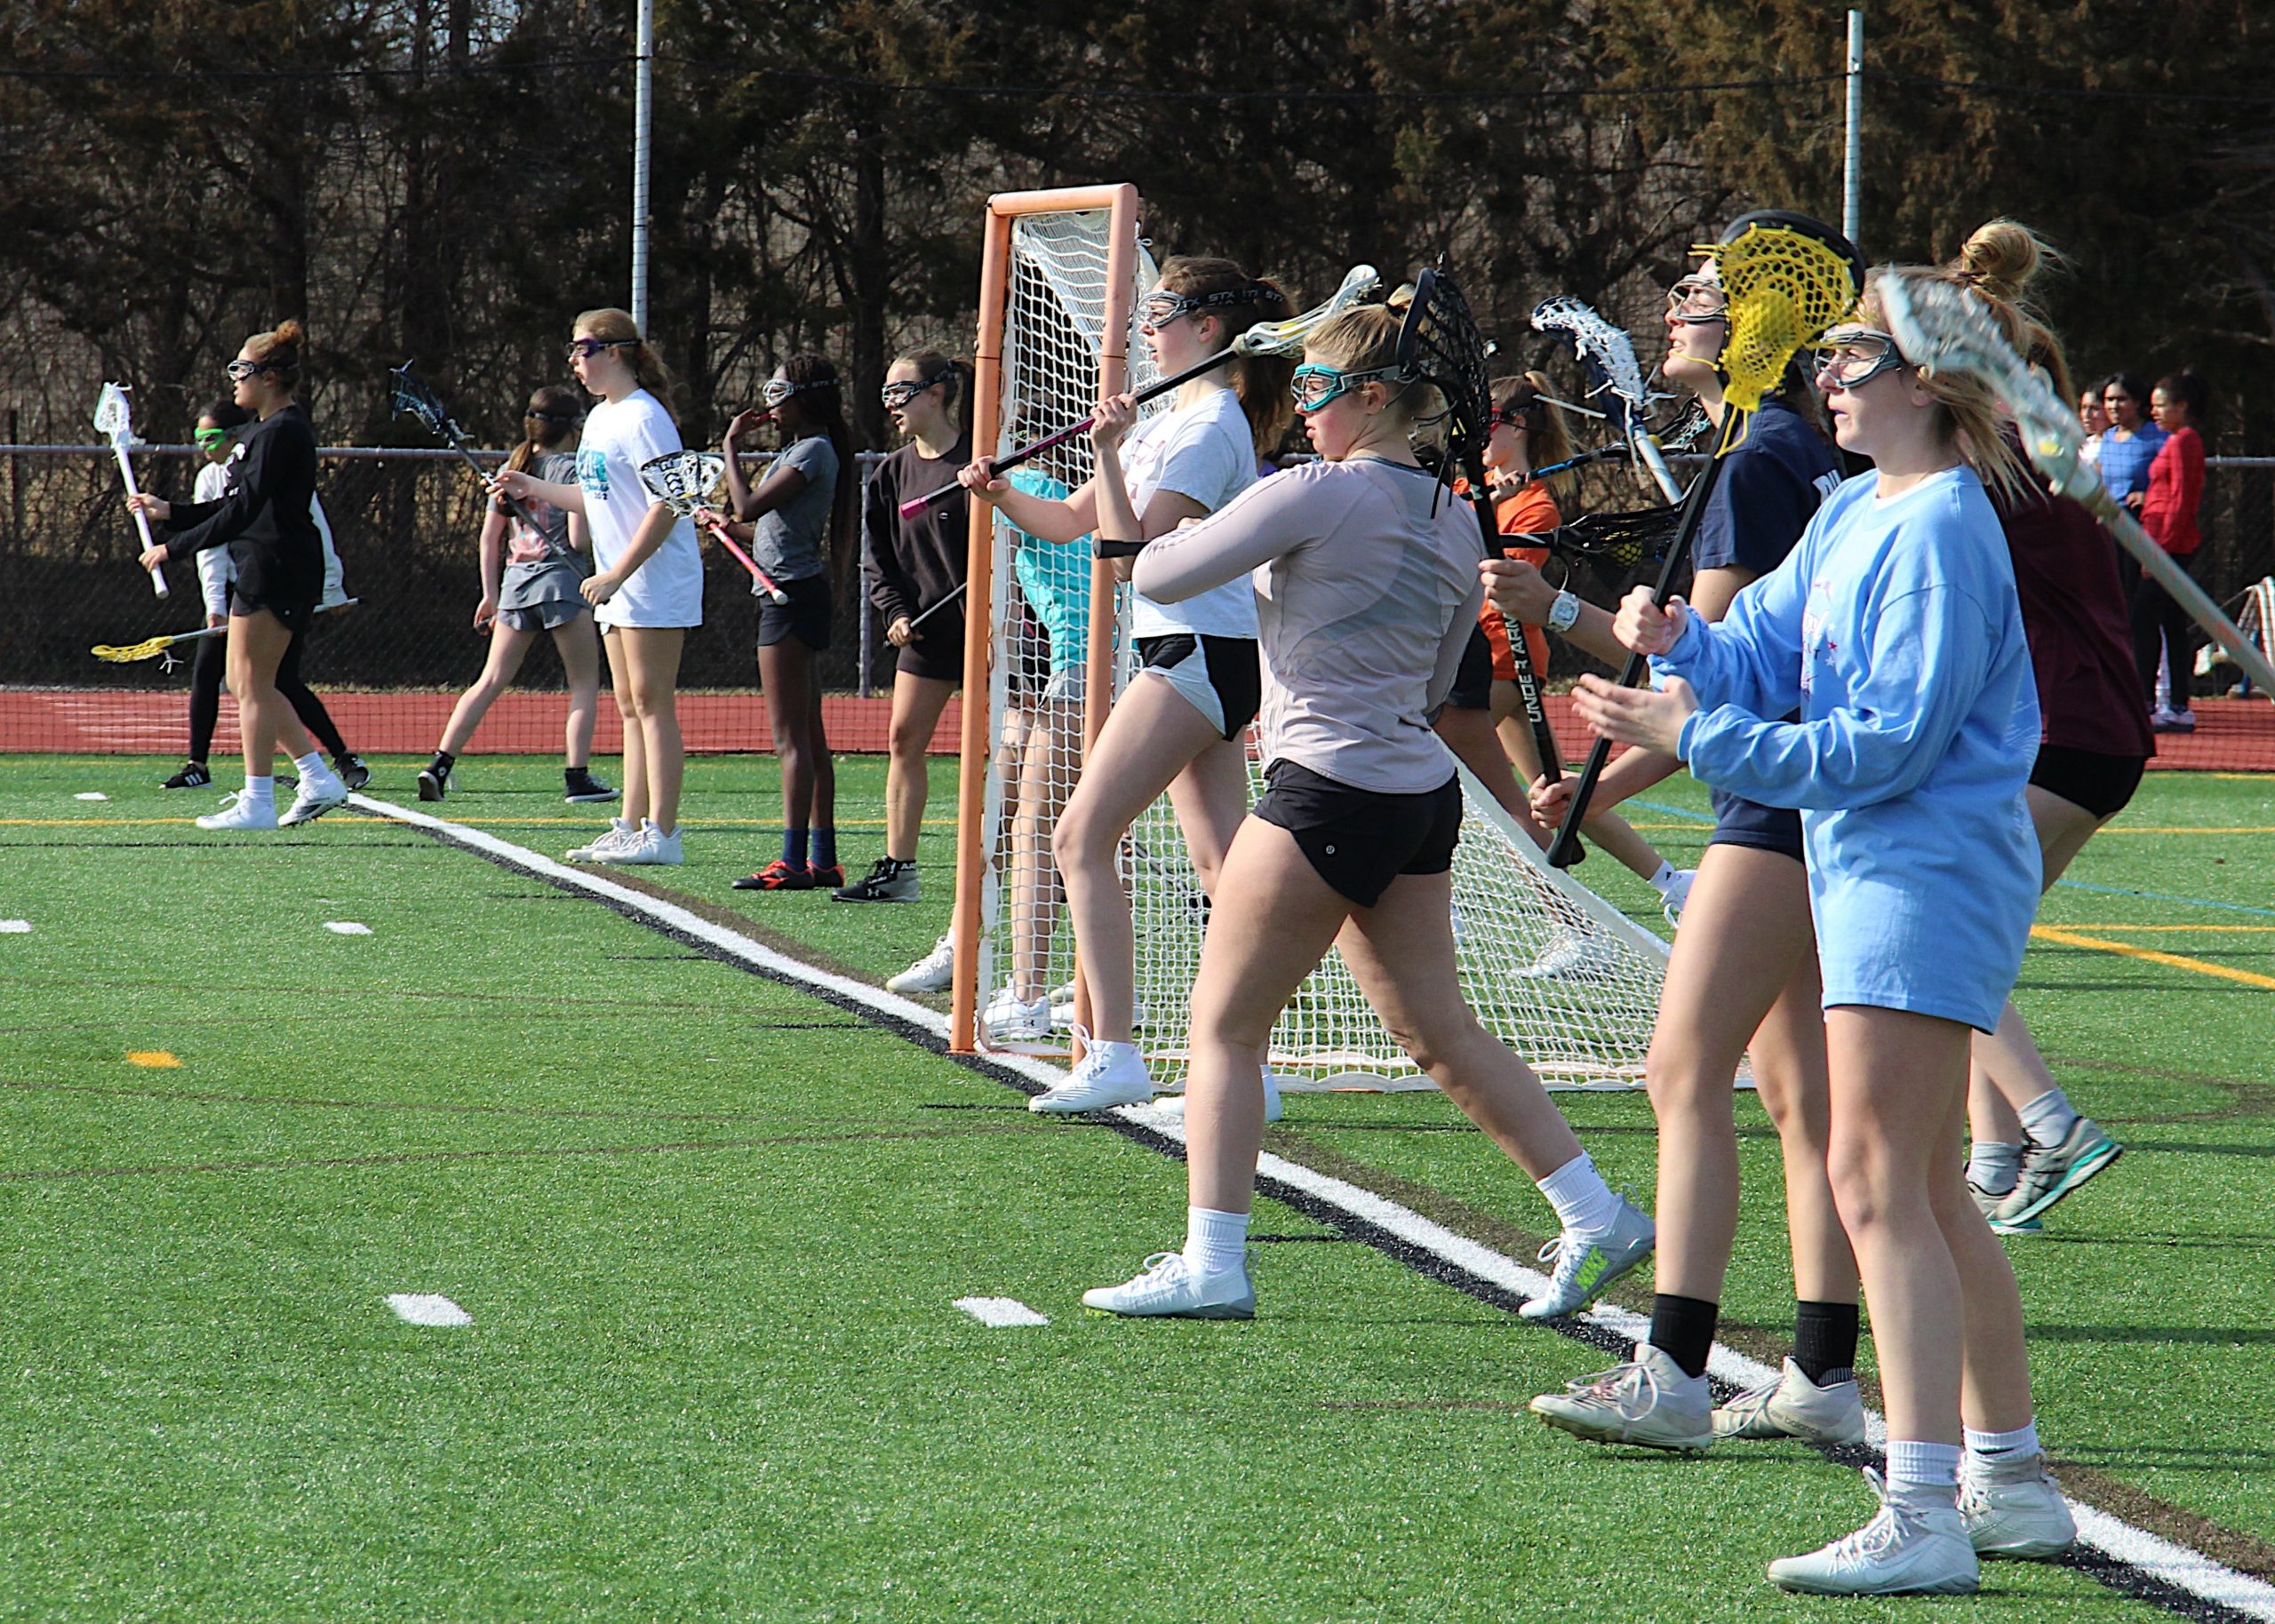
{"x": 1564, "y": 614}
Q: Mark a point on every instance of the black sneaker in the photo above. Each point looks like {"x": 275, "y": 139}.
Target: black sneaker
{"x": 351, "y": 770}
{"x": 192, "y": 777}
{"x": 888, "y": 880}
{"x": 433, "y": 783}
{"x": 582, "y": 786}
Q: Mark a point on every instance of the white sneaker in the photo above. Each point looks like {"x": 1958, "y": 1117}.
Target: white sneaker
{"x": 1011, "y": 1019}
{"x": 651, "y": 846}
{"x": 619, "y": 832}
{"x": 319, "y": 793}
{"x": 1794, "y": 1406}
{"x": 1169, "y": 1287}
{"x": 1570, "y": 956}
{"x": 241, "y": 811}
{"x": 1585, "y": 1264}
{"x": 1909, "y": 1548}
{"x": 2014, "y": 1510}
{"x": 933, "y": 973}
{"x": 1647, "y": 1401}
{"x": 1677, "y": 892}
{"x": 1062, "y": 1009}
{"x": 1108, "y": 1074}
{"x": 1173, "y": 1105}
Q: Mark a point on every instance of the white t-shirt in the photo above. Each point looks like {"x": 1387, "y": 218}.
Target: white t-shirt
{"x": 1204, "y": 451}
{"x": 216, "y": 569}
{"x": 619, "y": 435}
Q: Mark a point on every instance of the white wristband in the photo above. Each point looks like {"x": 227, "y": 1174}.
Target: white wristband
{"x": 1564, "y": 614}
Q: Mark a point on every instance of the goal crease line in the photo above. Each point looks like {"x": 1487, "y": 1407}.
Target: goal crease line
{"x": 2111, "y": 1551}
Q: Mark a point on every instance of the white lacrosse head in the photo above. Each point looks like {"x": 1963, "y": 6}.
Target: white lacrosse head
{"x": 1286, "y": 338}
{"x": 1941, "y": 326}
{"x": 112, "y": 415}
{"x": 1597, "y": 341}
{"x": 683, "y": 480}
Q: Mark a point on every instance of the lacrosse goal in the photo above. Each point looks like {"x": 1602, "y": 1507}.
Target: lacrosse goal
{"x": 1566, "y": 979}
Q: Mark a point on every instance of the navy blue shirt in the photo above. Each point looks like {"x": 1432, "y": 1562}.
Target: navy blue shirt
{"x": 1766, "y": 496}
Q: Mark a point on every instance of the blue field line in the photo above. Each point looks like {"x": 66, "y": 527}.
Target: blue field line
{"x": 2158, "y": 896}
{"x": 1684, "y": 813}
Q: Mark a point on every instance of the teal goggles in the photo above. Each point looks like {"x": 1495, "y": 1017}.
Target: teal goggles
{"x": 1314, "y": 386}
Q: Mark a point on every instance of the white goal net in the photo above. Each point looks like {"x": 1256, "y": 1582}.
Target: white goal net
{"x": 1567, "y": 980}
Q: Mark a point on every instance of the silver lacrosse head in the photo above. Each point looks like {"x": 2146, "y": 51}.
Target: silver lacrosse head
{"x": 683, "y": 480}
{"x": 1286, "y": 338}
{"x": 1609, "y": 349}
{"x": 1942, "y": 327}
{"x": 112, "y": 415}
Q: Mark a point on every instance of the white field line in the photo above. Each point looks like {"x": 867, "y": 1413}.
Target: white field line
{"x": 426, "y": 1308}
{"x": 2156, "y": 1558}
{"x": 347, "y": 927}
{"x": 1000, "y": 1312}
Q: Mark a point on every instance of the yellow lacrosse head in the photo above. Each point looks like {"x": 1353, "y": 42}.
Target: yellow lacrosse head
{"x": 1788, "y": 278}
{"x": 118, "y": 655}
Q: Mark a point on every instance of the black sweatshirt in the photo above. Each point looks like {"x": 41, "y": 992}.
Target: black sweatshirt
{"x": 911, "y": 564}
{"x": 264, "y": 518}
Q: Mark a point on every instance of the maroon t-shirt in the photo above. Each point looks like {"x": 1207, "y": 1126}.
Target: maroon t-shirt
{"x": 2080, "y": 637}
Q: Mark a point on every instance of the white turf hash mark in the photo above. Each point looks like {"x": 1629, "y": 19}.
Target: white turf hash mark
{"x": 2159, "y": 1558}
{"x": 1000, "y": 1312}
{"x": 425, "y": 1309}
{"x": 15, "y": 928}
{"x": 347, "y": 927}
{"x": 91, "y": 795}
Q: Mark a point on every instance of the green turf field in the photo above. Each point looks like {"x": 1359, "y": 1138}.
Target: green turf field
{"x": 710, "y": 1229}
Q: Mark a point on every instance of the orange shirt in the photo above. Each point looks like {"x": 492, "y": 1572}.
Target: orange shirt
{"x": 1531, "y": 510}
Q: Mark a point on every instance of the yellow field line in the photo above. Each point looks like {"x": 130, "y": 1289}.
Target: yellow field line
{"x": 2250, "y": 978}
{"x": 479, "y": 823}
{"x": 2178, "y": 828}
{"x": 2190, "y": 929}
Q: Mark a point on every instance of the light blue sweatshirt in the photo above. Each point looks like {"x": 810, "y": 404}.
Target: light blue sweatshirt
{"x": 1893, "y": 627}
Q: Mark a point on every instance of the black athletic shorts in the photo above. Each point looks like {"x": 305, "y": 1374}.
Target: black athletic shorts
{"x": 1472, "y": 688}
{"x": 805, "y": 617}
{"x": 1740, "y": 822}
{"x": 940, "y": 654}
{"x": 1360, "y": 841}
{"x": 1220, "y": 677}
{"x": 293, "y": 613}
{"x": 2101, "y": 784}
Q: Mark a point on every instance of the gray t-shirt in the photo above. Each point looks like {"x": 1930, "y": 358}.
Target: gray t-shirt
{"x": 788, "y": 541}
{"x": 540, "y": 565}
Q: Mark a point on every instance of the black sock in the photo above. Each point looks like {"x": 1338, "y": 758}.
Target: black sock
{"x": 1824, "y": 1341}
{"x": 442, "y": 762}
{"x": 1683, "y": 1329}
{"x": 574, "y": 775}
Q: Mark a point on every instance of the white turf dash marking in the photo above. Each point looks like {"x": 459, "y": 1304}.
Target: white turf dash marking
{"x": 426, "y": 1308}
{"x": 1000, "y": 1312}
{"x": 15, "y": 928}
{"x": 347, "y": 927}
{"x": 2161, "y": 1559}
{"x": 91, "y": 795}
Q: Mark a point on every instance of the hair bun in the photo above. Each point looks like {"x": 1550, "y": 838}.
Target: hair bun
{"x": 2003, "y": 257}
{"x": 289, "y": 333}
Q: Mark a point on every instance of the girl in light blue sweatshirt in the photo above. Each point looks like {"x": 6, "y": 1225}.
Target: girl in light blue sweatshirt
{"x": 1893, "y": 629}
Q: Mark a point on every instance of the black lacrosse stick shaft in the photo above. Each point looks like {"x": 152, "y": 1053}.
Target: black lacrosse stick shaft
{"x": 413, "y": 395}
{"x": 1566, "y": 851}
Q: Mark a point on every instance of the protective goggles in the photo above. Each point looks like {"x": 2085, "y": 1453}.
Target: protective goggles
{"x": 1314, "y": 386}
{"x": 777, "y": 390}
{"x": 584, "y": 349}
{"x": 894, "y": 395}
{"x": 239, "y": 370}
{"x": 1850, "y": 357}
{"x": 552, "y": 417}
{"x": 212, "y": 439}
{"x": 1161, "y": 306}
{"x": 1511, "y": 417}
{"x": 1695, "y": 299}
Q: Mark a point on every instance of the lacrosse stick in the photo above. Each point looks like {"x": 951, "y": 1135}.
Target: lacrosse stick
{"x": 1603, "y": 453}
{"x": 115, "y": 417}
{"x": 1940, "y": 327}
{"x": 1265, "y": 339}
{"x": 1608, "y": 356}
{"x": 683, "y": 481}
{"x": 1625, "y": 541}
{"x": 936, "y": 609}
{"x": 151, "y": 648}
{"x": 1788, "y": 278}
{"x": 1439, "y": 343}
{"x": 412, "y": 397}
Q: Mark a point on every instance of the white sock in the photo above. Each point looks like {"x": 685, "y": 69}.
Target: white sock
{"x": 1665, "y": 877}
{"x": 311, "y": 764}
{"x": 1994, "y": 1169}
{"x": 1918, "y": 1471}
{"x": 263, "y": 790}
{"x": 1991, "y": 1448}
{"x": 2048, "y": 1119}
{"x": 1214, "y": 1241}
{"x": 1582, "y": 1200}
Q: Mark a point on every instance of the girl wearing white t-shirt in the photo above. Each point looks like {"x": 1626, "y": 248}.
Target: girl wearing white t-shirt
{"x": 647, "y": 588}
{"x": 1182, "y": 724}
